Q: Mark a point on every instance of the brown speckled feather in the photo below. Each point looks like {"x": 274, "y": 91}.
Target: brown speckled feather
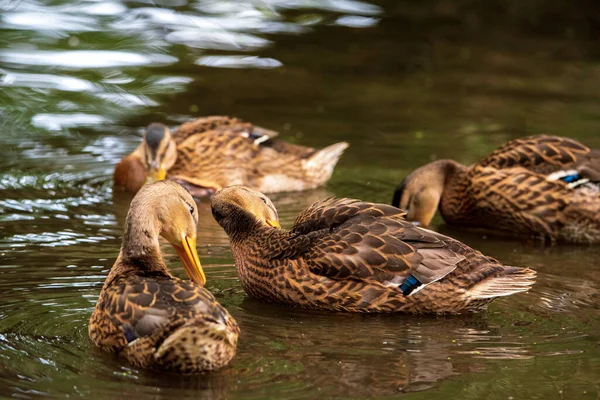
{"x": 518, "y": 200}
{"x": 219, "y": 123}
{"x": 350, "y": 239}
{"x": 233, "y": 154}
{"x": 517, "y": 189}
{"x": 140, "y": 313}
{"x": 348, "y": 255}
{"x": 146, "y": 315}
{"x": 209, "y": 153}
{"x": 544, "y": 154}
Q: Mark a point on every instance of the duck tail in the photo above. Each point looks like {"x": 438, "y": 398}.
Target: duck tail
{"x": 512, "y": 280}
{"x": 320, "y": 165}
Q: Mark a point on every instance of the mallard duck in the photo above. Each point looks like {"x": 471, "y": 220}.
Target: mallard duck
{"x": 348, "y": 255}
{"x": 144, "y": 313}
{"x": 541, "y": 186}
{"x": 209, "y": 153}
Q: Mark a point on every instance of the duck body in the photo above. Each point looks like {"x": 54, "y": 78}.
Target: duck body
{"x": 149, "y": 317}
{"x": 157, "y": 321}
{"x": 541, "y": 186}
{"x": 219, "y": 151}
{"x": 354, "y": 256}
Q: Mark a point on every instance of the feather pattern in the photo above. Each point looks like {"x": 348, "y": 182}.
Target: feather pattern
{"x": 146, "y": 315}
{"x": 136, "y": 316}
{"x": 349, "y": 255}
{"x": 540, "y": 186}
{"x": 218, "y": 151}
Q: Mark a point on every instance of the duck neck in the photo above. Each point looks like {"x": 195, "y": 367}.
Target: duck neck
{"x": 452, "y": 186}
{"x": 258, "y": 251}
{"x": 240, "y": 225}
{"x": 250, "y": 233}
{"x": 140, "y": 252}
{"x": 247, "y": 230}
{"x": 447, "y": 171}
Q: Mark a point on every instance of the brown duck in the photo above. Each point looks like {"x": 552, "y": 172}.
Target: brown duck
{"x": 209, "y": 153}
{"x": 144, "y": 313}
{"x": 349, "y": 255}
{"x": 540, "y": 186}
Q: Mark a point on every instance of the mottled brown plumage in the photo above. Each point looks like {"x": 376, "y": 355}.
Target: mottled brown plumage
{"x": 540, "y": 186}
{"x": 349, "y": 255}
{"x": 146, "y": 315}
{"x": 214, "y": 152}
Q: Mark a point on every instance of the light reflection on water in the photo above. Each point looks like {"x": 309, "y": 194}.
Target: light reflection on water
{"x": 403, "y": 83}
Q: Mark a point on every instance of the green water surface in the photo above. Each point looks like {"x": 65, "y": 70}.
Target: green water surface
{"x": 405, "y": 82}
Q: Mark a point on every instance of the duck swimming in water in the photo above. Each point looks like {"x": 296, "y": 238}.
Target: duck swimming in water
{"x": 209, "y": 153}
{"x": 349, "y": 255}
{"x": 145, "y": 314}
{"x": 540, "y": 186}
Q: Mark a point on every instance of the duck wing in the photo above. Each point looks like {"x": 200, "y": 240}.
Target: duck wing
{"x": 138, "y": 307}
{"x": 215, "y": 159}
{"x": 222, "y": 123}
{"x": 346, "y": 239}
{"x": 530, "y": 199}
{"x": 558, "y": 157}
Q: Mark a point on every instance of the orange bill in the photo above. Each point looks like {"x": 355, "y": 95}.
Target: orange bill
{"x": 189, "y": 257}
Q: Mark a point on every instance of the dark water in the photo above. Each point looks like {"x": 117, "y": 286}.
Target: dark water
{"x": 403, "y": 82}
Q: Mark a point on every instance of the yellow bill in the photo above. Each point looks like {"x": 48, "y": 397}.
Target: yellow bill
{"x": 274, "y": 223}
{"x": 189, "y": 257}
{"x": 156, "y": 174}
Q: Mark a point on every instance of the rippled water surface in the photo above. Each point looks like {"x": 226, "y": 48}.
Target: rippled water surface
{"x": 403, "y": 82}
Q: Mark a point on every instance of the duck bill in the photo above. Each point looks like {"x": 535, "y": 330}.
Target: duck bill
{"x": 189, "y": 257}
{"x": 273, "y": 223}
{"x": 156, "y": 174}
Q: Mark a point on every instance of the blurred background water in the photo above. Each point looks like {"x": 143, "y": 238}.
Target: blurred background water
{"x": 404, "y": 82}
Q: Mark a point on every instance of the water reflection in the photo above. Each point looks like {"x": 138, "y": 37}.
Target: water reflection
{"x": 326, "y": 349}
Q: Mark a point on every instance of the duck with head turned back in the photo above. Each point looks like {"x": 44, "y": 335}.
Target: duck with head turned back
{"x": 540, "y": 186}
{"x": 209, "y": 153}
{"x": 349, "y": 255}
{"x": 145, "y": 314}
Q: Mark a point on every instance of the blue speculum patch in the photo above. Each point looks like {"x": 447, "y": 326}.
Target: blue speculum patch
{"x": 409, "y": 285}
{"x": 571, "y": 178}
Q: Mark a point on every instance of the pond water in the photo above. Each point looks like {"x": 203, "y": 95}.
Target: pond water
{"x": 403, "y": 82}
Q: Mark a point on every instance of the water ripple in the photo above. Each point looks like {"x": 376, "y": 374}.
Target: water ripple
{"x": 343, "y": 6}
{"x": 77, "y": 59}
{"x": 238, "y": 62}
{"x": 355, "y": 21}
{"x": 44, "y": 21}
{"x": 58, "y": 122}
{"x": 217, "y": 40}
{"x": 80, "y": 79}
{"x": 46, "y": 81}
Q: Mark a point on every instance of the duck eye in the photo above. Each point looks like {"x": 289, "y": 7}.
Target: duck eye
{"x": 191, "y": 209}
{"x": 263, "y": 200}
